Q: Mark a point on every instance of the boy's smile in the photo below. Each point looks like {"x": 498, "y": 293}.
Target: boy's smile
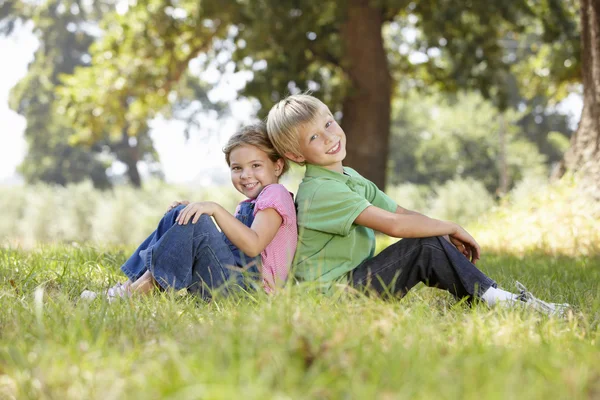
{"x": 335, "y": 149}
{"x": 322, "y": 142}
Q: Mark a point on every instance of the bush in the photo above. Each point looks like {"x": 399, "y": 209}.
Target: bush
{"x": 461, "y": 201}
{"x": 79, "y": 213}
{"x": 559, "y": 219}
{"x": 410, "y": 196}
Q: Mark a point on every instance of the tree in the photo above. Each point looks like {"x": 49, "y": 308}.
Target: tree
{"x": 339, "y": 49}
{"x": 442, "y": 137}
{"x": 64, "y": 30}
{"x": 584, "y": 154}
{"x": 50, "y": 157}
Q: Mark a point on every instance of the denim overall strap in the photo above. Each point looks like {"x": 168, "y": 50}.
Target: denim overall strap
{"x": 246, "y": 216}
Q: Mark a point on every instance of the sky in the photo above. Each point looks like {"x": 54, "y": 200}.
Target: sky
{"x": 180, "y": 158}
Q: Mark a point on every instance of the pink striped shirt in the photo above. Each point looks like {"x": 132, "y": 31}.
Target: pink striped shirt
{"x": 278, "y": 255}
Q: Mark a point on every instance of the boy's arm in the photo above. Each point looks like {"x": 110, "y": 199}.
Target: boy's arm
{"x": 252, "y": 241}
{"x": 415, "y": 225}
{"x": 455, "y": 242}
{"x": 400, "y": 210}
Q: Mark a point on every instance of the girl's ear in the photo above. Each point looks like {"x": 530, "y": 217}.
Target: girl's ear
{"x": 279, "y": 166}
{"x": 294, "y": 157}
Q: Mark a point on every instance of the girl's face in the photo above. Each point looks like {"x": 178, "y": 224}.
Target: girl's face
{"x": 252, "y": 170}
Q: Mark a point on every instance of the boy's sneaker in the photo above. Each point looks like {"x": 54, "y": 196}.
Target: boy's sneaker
{"x": 553, "y": 309}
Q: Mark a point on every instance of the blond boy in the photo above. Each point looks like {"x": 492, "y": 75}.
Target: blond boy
{"x": 339, "y": 210}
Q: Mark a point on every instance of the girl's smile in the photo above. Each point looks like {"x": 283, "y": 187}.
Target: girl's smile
{"x": 252, "y": 170}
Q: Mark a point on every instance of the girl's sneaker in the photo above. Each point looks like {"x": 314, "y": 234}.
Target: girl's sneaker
{"x": 552, "y": 309}
{"x": 88, "y": 295}
{"x": 119, "y": 291}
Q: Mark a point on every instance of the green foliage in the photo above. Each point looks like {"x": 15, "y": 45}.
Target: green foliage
{"x": 287, "y": 46}
{"x": 437, "y": 138}
{"x": 65, "y": 31}
{"x": 50, "y": 158}
{"x": 78, "y": 213}
{"x": 138, "y": 65}
{"x": 296, "y": 344}
{"x": 549, "y": 50}
{"x": 558, "y": 141}
{"x": 145, "y": 61}
{"x": 411, "y": 196}
{"x": 561, "y": 218}
{"x": 461, "y": 201}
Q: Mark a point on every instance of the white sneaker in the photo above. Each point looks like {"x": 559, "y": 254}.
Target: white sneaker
{"x": 553, "y": 309}
{"x": 88, "y": 295}
{"x": 119, "y": 291}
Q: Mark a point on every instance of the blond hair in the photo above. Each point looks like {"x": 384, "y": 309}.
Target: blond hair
{"x": 254, "y": 135}
{"x": 287, "y": 117}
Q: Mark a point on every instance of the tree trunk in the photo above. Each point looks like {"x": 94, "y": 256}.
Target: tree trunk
{"x": 133, "y": 173}
{"x": 367, "y": 107}
{"x": 128, "y": 153}
{"x": 584, "y": 154}
{"x": 502, "y": 158}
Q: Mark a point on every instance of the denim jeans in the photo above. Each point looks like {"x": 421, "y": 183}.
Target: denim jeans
{"x": 433, "y": 261}
{"x": 197, "y": 257}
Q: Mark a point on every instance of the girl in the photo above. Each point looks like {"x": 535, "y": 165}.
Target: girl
{"x": 187, "y": 251}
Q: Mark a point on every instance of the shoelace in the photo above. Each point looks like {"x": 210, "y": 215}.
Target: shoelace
{"x": 540, "y": 305}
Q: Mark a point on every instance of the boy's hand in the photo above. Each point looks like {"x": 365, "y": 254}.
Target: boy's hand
{"x": 466, "y": 244}
{"x": 460, "y": 246}
{"x": 193, "y": 211}
{"x": 177, "y": 203}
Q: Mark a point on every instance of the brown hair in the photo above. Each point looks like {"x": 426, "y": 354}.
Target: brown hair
{"x": 287, "y": 117}
{"x": 254, "y": 135}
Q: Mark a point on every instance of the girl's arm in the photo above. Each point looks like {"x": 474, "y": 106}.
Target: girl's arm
{"x": 252, "y": 241}
{"x": 414, "y": 225}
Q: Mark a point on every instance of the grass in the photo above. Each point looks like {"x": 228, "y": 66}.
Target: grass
{"x": 297, "y": 344}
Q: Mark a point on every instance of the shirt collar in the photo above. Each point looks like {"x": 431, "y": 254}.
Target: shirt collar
{"x": 315, "y": 171}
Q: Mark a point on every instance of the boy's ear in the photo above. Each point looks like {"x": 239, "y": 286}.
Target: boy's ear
{"x": 294, "y": 157}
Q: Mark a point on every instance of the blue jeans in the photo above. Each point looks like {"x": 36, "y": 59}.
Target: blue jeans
{"x": 196, "y": 256}
{"x": 433, "y": 261}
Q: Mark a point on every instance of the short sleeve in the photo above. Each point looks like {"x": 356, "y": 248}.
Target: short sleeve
{"x": 332, "y": 208}
{"x": 379, "y": 198}
{"x": 276, "y": 196}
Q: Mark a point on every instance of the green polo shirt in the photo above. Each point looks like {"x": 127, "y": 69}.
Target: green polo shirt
{"x": 329, "y": 243}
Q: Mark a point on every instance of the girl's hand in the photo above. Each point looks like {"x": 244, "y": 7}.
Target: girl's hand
{"x": 195, "y": 210}
{"x": 177, "y": 203}
{"x": 466, "y": 244}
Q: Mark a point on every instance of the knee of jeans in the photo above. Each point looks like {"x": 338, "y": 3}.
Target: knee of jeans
{"x": 418, "y": 243}
{"x": 430, "y": 241}
{"x": 204, "y": 219}
{"x": 204, "y": 224}
{"x": 173, "y": 212}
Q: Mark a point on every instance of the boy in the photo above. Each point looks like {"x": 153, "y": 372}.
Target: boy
{"x": 338, "y": 211}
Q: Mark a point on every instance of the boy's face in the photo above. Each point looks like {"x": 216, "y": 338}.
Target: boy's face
{"x": 322, "y": 142}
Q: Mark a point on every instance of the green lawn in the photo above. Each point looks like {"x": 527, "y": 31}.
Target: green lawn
{"x": 297, "y": 344}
